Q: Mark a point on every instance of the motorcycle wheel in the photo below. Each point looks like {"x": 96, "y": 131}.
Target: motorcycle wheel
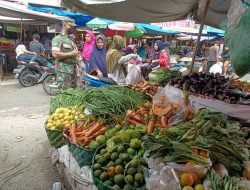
{"x": 24, "y": 80}
{"x": 50, "y": 79}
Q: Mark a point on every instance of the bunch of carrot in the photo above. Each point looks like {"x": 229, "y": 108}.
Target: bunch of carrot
{"x": 83, "y": 132}
{"x": 145, "y": 115}
{"x": 145, "y": 87}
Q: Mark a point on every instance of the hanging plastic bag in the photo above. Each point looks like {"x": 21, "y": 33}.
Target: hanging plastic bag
{"x": 134, "y": 74}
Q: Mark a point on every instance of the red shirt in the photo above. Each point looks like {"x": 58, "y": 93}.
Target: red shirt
{"x": 163, "y": 59}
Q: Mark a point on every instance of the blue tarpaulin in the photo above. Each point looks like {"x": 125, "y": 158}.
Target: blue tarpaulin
{"x": 155, "y": 30}
{"x": 80, "y": 19}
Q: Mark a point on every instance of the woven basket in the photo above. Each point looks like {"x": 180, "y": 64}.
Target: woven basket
{"x": 83, "y": 156}
{"x": 55, "y": 137}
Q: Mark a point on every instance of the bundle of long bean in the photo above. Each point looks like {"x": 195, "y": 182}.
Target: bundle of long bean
{"x": 67, "y": 98}
{"x": 109, "y": 101}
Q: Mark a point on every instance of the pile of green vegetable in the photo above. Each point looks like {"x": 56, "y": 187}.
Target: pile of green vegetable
{"x": 104, "y": 102}
{"x": 212, "y": 132}
{"x": 67, "y": 98}
{"x": 119, "y": 164}
{"x": 162, "y": 76}
{"x": 110, "y": 101}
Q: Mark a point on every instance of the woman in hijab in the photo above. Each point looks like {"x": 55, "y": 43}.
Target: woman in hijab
{"x": 88, "y": 46}
{"x": 160, "y": 56}
{"x": 116, "y": 69}
{"x": 97, "y": 59}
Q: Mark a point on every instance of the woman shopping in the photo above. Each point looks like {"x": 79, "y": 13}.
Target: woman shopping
{"x": 97, "y": 62}
{"x": 88, "y": 47}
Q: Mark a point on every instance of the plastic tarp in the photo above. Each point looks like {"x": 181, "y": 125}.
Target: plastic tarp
{"x": 16, "y": 10}
{"x": 155, "y": 30}
{"x": 80, "y": 19}
{"x": 99, "y": 23}
{"x": 149, "y": 11}
{"x": 12, "y": 20}
{"x": 134, "y": 33}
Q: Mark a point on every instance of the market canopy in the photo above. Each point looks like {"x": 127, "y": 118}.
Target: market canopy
{"x": 12, "y": 20}
{"x": 16, "y": 10}
{"x": 80, "y": 19}
{"x": 99, "y": 23}
{"x": 149, "y": 11}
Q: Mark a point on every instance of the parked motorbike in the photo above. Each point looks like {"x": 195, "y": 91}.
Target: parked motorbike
{"x": 31, "y": 74}
{"x": 50, "y": 87}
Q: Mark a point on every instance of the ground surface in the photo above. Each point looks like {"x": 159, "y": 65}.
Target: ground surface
{"x": 23, "y": 141}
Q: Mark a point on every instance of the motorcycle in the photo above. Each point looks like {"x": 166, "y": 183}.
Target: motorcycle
{"x": 31, "y": 74}
{"x": 50, "y": 87}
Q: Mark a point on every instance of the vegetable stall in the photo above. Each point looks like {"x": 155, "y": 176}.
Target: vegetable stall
{"x": 144, "y": 136}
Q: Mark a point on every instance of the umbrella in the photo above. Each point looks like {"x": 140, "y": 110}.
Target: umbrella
{"x": 99, "y": 23}
{"x": 134, "y": 33}
{"x": 122, "y": 26}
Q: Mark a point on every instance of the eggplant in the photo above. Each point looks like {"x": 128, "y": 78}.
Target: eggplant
{"x": 192, "y": 89}
{"x": 234, "y": 92}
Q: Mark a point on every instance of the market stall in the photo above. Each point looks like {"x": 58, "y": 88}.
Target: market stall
{"x": 155, "y": 134}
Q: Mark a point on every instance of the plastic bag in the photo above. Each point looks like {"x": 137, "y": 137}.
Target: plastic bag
{"x": 221, "y": 170}
{"x": 183, "y": 114}
{"x": 161, "y": 105}
{"x": 164, "y": 179}
{"x": 174, "y": 95}
{"x": 134, "y": 74}
{"x": 199, "y": 170}
{"x": 244, "y": 185}
{"x": 238, "y": 42}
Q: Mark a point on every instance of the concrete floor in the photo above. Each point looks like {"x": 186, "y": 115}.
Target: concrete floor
{"x": 24, "y": 147}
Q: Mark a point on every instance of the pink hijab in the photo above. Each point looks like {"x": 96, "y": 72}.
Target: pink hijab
{"x": 88, "y": 46}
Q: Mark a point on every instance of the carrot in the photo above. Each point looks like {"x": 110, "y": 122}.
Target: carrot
{"x": 133, "y": 121}
{"x": 118, "y": 119}
{"x": 80, "y": 124}
{"x": 148, "y": 105}
{"x": 100, "y": 132}
{"x": 129, "y": 113}
{"x": 195, "y": 150}
{"x": 203, "y": 154}
{"x": 164, "y": 121}
{"x": 82, "y": 132}
{"x": 95, "y": 128}
{"x": 73, "y": 133}
{"x": 151, "y": 126}
{"x": 86, "y": 141}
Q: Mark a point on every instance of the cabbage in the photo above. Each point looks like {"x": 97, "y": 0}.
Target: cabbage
{"x": 161, "y": 75}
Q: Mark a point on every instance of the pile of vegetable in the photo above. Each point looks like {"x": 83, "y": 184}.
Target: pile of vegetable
{"x": 64, "y": 117}
{"x": 148, "y": 88}
{"x": 211, "y": 85}
{"x": 162, "y": 76}
{"x": 119, "y": 164}
{"x": 245, "y": 86}
{"x": 158, "y": 115}
{"x": 87, "y": 132}
{"x": 111, "y": 101}
{"x": 67, "y": 98}
{"x": 210, "y": 138}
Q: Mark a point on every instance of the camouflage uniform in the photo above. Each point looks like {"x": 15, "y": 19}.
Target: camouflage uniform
{"x": 65, "y": 68}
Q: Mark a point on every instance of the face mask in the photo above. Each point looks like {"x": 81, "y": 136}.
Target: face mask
{"x": 70, "y": 31}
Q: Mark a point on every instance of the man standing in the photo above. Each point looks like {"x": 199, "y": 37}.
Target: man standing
{"x": 65, "y": 52}
{"x": 213, "y": 55}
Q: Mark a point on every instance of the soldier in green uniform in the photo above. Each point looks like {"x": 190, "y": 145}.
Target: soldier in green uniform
{"x": 65, "y": 52}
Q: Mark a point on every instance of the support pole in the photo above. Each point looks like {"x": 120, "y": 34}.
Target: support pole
{"x": 21, "y": 32}
{"x": 199, "y": 35}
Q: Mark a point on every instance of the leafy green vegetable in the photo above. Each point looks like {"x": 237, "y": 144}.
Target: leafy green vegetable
{"x": 161, "y": 75}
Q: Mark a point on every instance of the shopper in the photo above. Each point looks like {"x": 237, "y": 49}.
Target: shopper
{"x": 160, "y": 56}
{"x": 88, "y": 47}
{"x": 97, "y": 62}
{"x": 226, "y": 59}
{"x": 65, "y": 52}
{"x": 213, "y": 55}
{"x": 116, "y": 71}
